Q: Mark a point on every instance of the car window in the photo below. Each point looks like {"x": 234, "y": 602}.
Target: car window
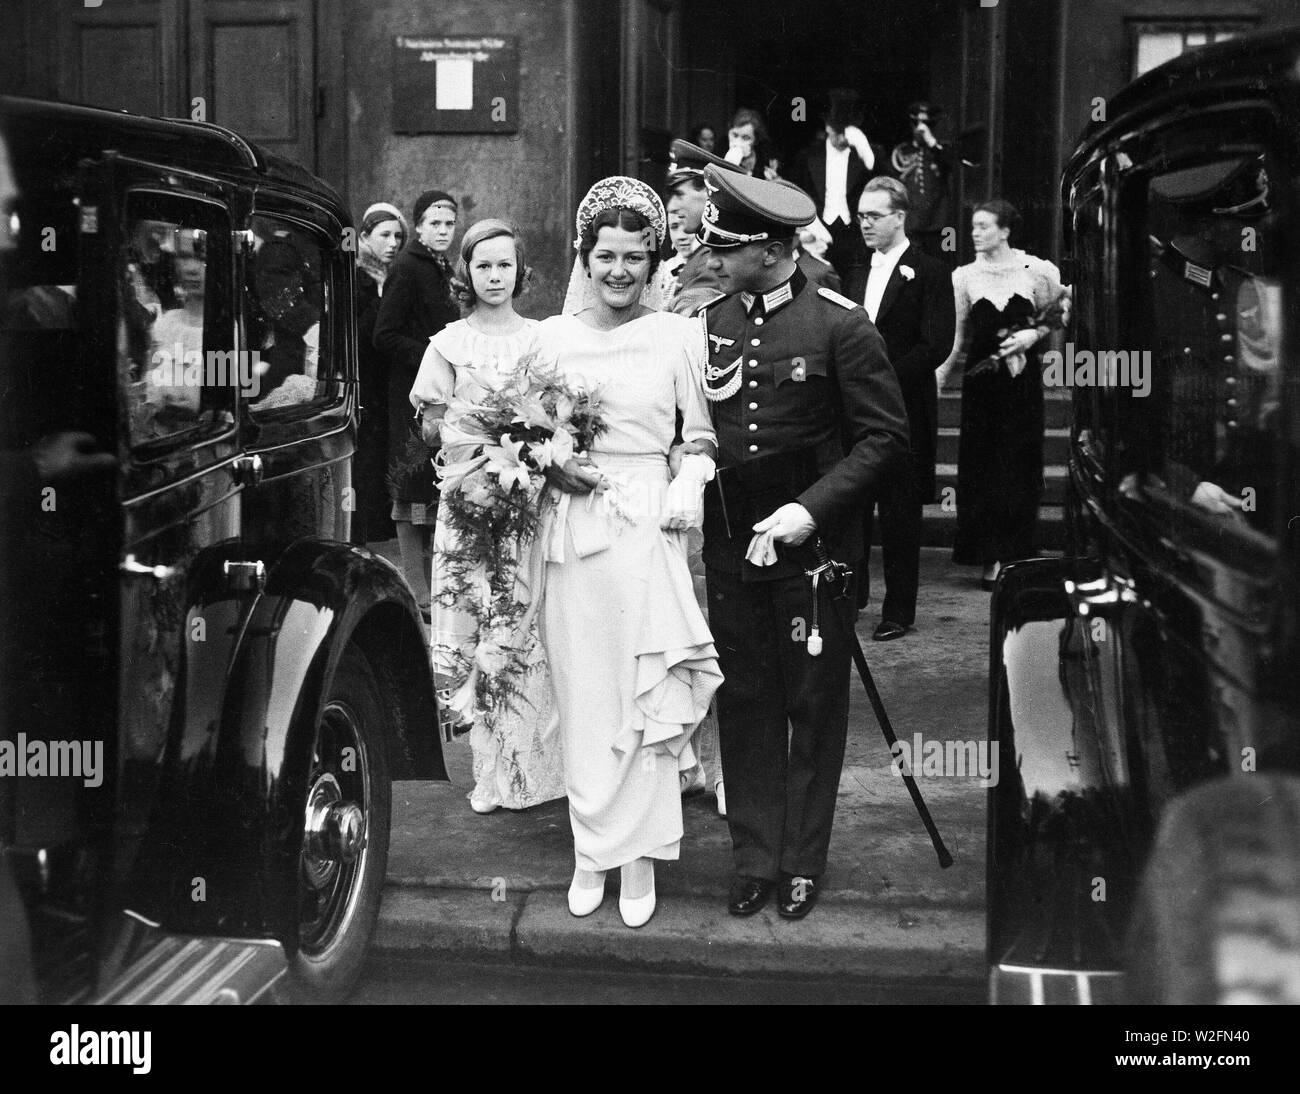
{"x": 289, "y": 320}
{"x": 1214, "y": 309}
{"x": 176, "y": 356}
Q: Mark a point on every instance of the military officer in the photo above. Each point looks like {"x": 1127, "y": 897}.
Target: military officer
{"x": 809, "y": 419}
{"x": 695, "y": 282}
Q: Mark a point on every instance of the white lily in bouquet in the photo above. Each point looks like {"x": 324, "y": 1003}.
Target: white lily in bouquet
{"x": 492, "y": 474}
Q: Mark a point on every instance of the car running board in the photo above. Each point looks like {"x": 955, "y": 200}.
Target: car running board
{"x": 182, "y": 969}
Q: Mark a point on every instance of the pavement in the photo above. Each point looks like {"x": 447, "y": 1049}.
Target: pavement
{"x": 463, "y": 886}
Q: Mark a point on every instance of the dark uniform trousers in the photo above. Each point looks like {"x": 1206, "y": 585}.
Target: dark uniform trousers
{"x": 783, "y": 716}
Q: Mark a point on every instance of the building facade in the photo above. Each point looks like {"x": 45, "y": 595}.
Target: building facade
{"x": 601, "y": 86}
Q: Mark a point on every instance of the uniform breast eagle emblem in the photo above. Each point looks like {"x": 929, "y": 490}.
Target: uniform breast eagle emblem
{"x": 720, "y": 343}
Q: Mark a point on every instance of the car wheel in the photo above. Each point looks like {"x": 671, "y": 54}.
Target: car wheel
{"x": 344, "y": 855}
{"x": 1217, "y": 918}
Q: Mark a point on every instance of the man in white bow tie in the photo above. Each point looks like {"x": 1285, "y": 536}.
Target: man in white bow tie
{"x": 908, "y": 295}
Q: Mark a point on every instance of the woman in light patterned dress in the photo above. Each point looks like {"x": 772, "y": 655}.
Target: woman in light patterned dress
{"x": 517, "y": 760}
{"x": 631, "y": 656}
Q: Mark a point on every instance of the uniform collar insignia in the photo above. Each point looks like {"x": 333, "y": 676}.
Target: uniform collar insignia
{"x": 774, "y": 299}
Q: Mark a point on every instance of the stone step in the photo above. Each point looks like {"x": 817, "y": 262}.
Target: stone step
{"x": 1056, "y": 445}
{"x": 939, "y": 527}
{"x": 1056, "y": 408}
{"x": 1055, "y": 479}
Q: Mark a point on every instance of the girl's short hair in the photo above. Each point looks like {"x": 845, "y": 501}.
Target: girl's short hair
{"x": 629, "y": 220}
{"x": 479, "y": 232}
{"x": 1006, "y": 214}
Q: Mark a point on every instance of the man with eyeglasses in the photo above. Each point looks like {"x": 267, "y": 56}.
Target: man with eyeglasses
{"x": 908, "y": 295}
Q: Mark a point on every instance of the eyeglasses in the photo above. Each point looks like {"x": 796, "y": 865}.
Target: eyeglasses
{"x": 870, "y": 218}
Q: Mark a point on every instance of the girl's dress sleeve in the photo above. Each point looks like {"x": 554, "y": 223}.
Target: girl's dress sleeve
{"x": 436, "y": 380}
{"x": 688, "y": 380}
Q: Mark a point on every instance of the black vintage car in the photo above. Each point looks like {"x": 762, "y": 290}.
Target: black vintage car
{"x": 206, "y": 691}
{"x": 1145, "y": 688}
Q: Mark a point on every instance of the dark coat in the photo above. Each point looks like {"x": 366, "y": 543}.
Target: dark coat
{"x": 809, "y": 174}
{"x": 818, "y": 381}
{"x": 916, "y": 320}
{"x": 417, "y": 303}
{"x": 698, "y": 283}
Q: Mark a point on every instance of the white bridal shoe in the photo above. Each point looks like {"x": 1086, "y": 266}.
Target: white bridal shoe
{"x": 636, "y": 911}
{"x": 721, "y": 793}
{"x": 584, "y": 900}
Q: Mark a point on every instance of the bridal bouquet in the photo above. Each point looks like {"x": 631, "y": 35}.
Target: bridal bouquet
{"x": 495, "y": 453}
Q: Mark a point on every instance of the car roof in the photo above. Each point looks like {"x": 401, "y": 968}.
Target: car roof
{"x": 78, "y": 131}
{"x": 1251, "y": 62}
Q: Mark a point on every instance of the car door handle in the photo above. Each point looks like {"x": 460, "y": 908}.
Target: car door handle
{"x": 132, "y": 568}
{"x": 1102, "y": 595}
{"x": 248, "y": 470}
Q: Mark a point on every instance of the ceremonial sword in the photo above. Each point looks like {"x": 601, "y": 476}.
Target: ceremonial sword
{"x": 835, "y": 575}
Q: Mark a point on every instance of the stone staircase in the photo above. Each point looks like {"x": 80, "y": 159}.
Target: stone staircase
{"x": 940, "y": 521}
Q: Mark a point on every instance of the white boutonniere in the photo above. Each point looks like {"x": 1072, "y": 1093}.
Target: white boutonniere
{"x": 906, "y": 273}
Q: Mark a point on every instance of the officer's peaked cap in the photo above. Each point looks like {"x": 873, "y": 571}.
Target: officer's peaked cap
{"x": 742, "y": 209}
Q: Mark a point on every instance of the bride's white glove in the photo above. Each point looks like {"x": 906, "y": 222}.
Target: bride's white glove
{"x": 684, "y": 502}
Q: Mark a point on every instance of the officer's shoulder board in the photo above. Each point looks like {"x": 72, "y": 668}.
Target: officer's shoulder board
{"x": 716, "y": 298}
{"x": 832, "y": 295}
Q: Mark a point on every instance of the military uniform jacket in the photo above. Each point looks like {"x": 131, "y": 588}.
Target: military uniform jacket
{"x": 816, "y": 416}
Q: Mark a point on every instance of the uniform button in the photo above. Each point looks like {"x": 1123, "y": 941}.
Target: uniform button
{"x": 753, "y": 406}
{"x": 753, "y": 364}
{"x": 753, "y": 448}
{"x": 753, "y": 383}
{"x": 1231, "y": 381}
{"x": 753, "y": 341}
{"x": 758, "y": 320}
{"x": 753, "y": 427}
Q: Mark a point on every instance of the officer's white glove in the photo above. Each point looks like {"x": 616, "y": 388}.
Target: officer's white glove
{"x": 790, "y": 524}
{"x": 684, "y": 502}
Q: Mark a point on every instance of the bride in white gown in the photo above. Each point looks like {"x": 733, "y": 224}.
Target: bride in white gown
{"x": 632, "y": 660}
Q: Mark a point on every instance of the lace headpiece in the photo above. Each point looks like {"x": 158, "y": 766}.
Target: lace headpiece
{"x": 622, "y": 192}
{"x": 615, "y": 192}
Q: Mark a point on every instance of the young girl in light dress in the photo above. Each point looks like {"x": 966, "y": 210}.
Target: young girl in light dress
{"x": 517, "y": 756}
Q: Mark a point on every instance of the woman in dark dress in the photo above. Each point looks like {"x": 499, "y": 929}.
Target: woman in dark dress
{"x": 1000, "y": 453}
{"x": 417, "y": 303}
{"x": 380, "y": 236}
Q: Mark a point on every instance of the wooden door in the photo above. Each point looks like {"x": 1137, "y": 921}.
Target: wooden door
{"x": 253, "y": 63}
{"x": 123, "y": 56}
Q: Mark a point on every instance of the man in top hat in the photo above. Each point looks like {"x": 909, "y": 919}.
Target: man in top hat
{"x": 924, "y": 166}
{"x": 809, "y": 419}
{"x": 695, "y": 282}
{"x": 833, "y": 171}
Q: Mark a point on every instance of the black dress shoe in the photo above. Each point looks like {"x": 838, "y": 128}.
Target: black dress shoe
{"x": 748, "y": 894}
{"x": 888, "y": 631}
{"x": 797, "y": 896}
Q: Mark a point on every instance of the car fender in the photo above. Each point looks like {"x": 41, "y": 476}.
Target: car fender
{"x": 225, "y": 861}
{"x": 1059, "y": 878}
